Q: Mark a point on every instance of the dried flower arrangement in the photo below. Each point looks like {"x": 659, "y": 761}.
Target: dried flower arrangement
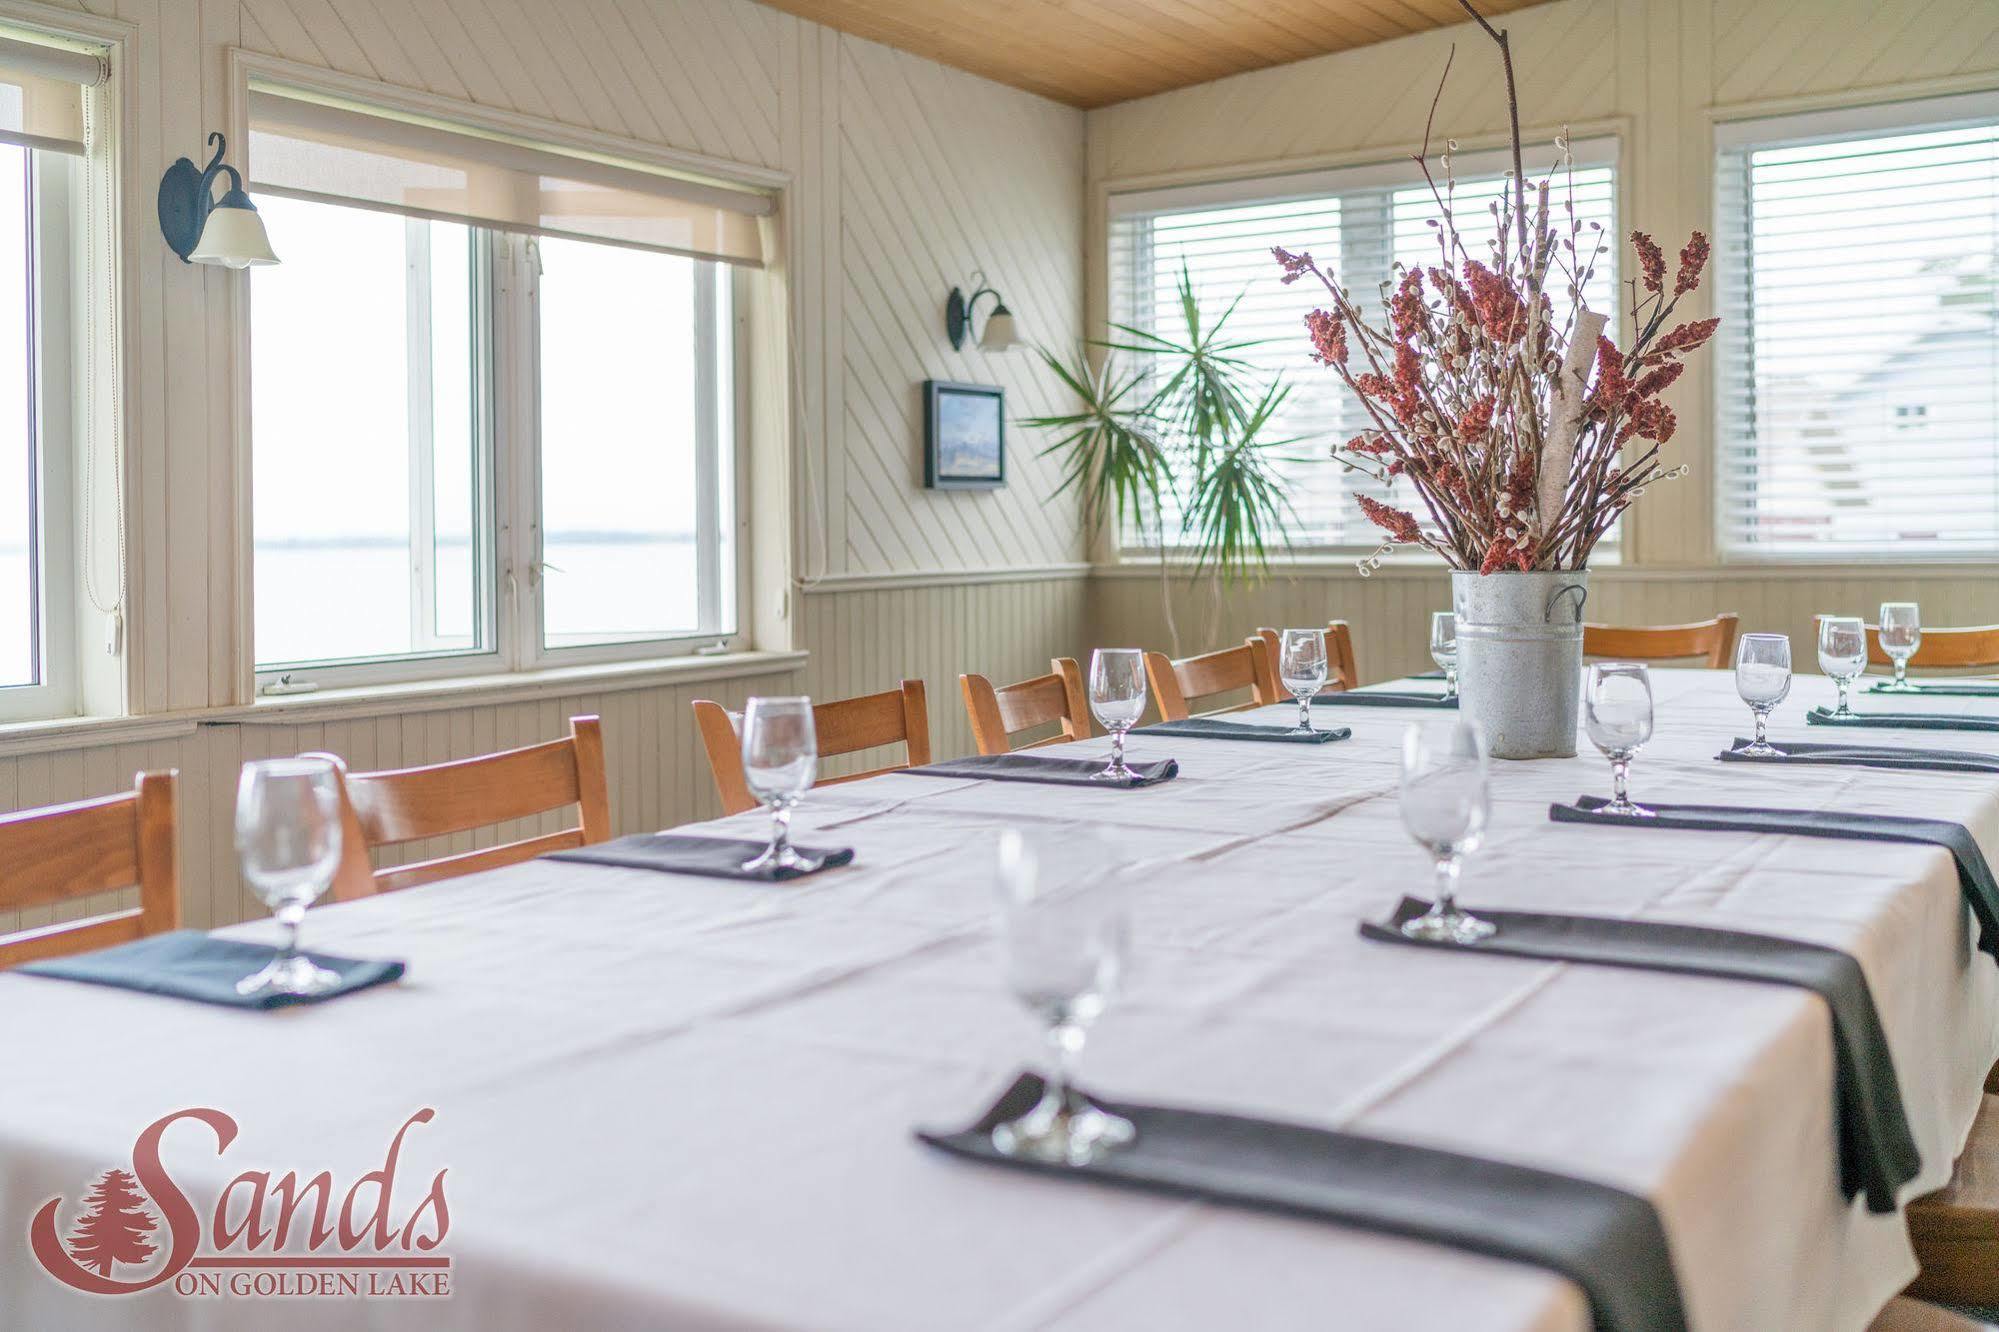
{"x": 1484, "y": 401}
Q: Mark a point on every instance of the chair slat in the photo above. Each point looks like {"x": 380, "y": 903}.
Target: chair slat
{"x": 93, "y": 846}
{"x": 1713, "y": 640}
{"x": 388, "y": 808}
{"x": 844, "y": 726}
{"x": 998, "y": 714}
{"x": 1341, "y": 672}
{"x": 1219, "y": 672}
{"x": 1976, "y": 646}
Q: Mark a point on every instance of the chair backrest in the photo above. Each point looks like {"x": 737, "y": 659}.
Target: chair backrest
{"x": 93, "y": 846}
{"x": 404, "y": 805}
{"x": 1712, "y": 639}
{"x": 1341, "y": 673}
{"x": 1977, "y": 646}
{"x": 997, "y": 714}
{"x": 895, "y": 716}
{"x": 1249, "y": 666}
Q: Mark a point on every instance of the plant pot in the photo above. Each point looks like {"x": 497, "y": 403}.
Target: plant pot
{"x": 1520, "y": 658}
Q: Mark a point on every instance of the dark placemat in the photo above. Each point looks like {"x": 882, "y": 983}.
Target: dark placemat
{"x": 1213, "y": 728}
{"x": 1383, "y": 698}
{"x": 1877, "y": 1152}
{"x": 1974, "y": 876}
{"x": 1608, "y": 1241}
{"x": 1904, "y": 721}
{"x": 1940, "y": 689}
{"x": 188, "y": 964}
{"x": 1054, "y": 771}
{"x": 1867, "y": 756}
{"x": 714, "y": 857}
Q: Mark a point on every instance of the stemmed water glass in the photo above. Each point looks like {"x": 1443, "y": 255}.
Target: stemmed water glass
{"x": 1842, "y": 655}
{"x": 1763, "y": 679}
{"x": 1065, "y": 932}
{"x": 1301, "y": 665}
{"x": 1901, "y": 635}
{"x": 1446, "y": 799}
{"x": 288, "y": 838}
{"x": 1617, "y": 712}
{"x": 1117, "y": 700}
{"x": 780, "y": 763}
{"x": 1444, "y": 648}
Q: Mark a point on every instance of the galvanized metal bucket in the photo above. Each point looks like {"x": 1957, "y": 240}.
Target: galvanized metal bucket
{"x": 1520, "y": 658}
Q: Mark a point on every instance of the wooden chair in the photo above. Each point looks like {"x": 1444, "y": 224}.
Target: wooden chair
{"x": 1943, "y": 647}
{"x": 1341, "y": 673}
{"x": 997, "y": 714}
{"x": 389, "y": 808}
{"x": 896, "y": 716}
{"x": 64, "y": 852}
{"x": 1250, "y": 667}
{"x": 1955, "y": 1230}
{"x": 1713, "y": 639}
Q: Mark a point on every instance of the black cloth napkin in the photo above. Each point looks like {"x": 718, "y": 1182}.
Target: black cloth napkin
{"x": 1609, "y": 1242}
{"x": 1868, "y": 756}
{"x": 1385, "y": 698}
{"x": 1213, "y": 728}
{"x": 187, "y": 964}
{"x": 1904, "y": 721}
{"x": 1877, "y": 1152}
{"x": 1054, "y": 771}
{"x": 716, "y": 857}
{"x": 1942, "y": 688}
{"x": 1974, "y": 876}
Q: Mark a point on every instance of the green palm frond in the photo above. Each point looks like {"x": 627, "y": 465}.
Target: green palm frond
{"x": 1238, "y": 504}
{"x": 1111, "y": 454}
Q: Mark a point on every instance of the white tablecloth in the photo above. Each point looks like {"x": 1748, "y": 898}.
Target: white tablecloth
{"x": 686, "y": 1103}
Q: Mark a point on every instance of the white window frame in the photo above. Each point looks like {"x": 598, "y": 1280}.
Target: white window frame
{"x": 1597, "y": 148}
{"x": 1793, "y": 129}
{"x": 509, "y": 570}
{"x": 54, "y": 290}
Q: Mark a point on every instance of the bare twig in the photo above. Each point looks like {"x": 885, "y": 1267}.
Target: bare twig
{"x": 1513, "y": 114}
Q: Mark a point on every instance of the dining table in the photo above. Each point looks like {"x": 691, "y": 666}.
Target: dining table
{"x": 669, "y": 1101}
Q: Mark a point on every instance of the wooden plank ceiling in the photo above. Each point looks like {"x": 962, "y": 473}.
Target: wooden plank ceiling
{"x": 1095, "y": 52}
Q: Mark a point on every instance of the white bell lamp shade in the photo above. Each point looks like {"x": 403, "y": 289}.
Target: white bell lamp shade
{"x": 999, "y": 334}
{"x": 233, "y": 236}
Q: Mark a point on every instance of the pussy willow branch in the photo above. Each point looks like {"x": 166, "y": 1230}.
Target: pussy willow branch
{"x": 1513, "y": 115}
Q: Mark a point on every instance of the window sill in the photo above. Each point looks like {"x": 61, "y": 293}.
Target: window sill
{"x": 66, "y": 733}
{"x": 520, "y": 686}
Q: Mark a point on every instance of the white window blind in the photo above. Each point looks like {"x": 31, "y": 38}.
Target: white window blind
{"x": 41, "y": 94}
{"x": 306, "y": 147}
{"x": 1357, "y": 222}
{"x": 1858, "y": 398}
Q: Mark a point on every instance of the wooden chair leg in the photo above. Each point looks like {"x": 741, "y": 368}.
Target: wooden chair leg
{"x": 1955, "y": 1230}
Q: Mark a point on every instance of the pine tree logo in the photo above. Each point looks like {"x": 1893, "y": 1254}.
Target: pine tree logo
{"x": 115, "y": 1226}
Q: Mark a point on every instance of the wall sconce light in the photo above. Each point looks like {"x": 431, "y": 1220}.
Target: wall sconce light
{"x": 201, "y": 229}
{"x": 999, "y": 334}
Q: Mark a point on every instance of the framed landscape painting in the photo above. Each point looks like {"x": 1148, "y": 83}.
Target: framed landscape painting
{"x": 964, "y": 436}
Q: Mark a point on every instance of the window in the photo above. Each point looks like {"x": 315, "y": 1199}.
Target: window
{"x": 1357, "y": 221}
{"x": 1858, "y": 254}
{"x": 493, "y": 407}
{"x": 46, "y": 212}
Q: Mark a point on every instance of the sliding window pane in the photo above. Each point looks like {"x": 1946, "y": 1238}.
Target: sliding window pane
{"x": 369, "y": 465}
{"x": 20, "y": 656}
{"x": 631, "y": 378}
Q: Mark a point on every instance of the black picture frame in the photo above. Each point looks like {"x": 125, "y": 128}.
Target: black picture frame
{"x": 952, "y": 458}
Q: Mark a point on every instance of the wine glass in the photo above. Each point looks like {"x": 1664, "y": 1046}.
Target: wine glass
{"x": 1444, "y": 648}
{"x": 1617, "y": 708}
{"x": 780, "y": 763}
{"x": 1065, "y": 934}
{"x": 1301, "y": 664}
{"x": 1901, "y": 635}
{"x": 1446, "y": 800}
{"x": 1117, "y": 700}
{"x": 288, "y": 839}
{"x": 1842, "y": 655}
{"x": 1763, "y": 679}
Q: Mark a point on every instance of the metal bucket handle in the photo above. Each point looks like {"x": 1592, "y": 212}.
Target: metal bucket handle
{"x": 1582, "y": 597}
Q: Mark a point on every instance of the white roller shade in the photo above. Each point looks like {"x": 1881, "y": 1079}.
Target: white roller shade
{"x": 1858, "y": 394}
{"x": 1357, "y": 222}
{"x": 41, "y": 94}
{"x": 312, "y": 149}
